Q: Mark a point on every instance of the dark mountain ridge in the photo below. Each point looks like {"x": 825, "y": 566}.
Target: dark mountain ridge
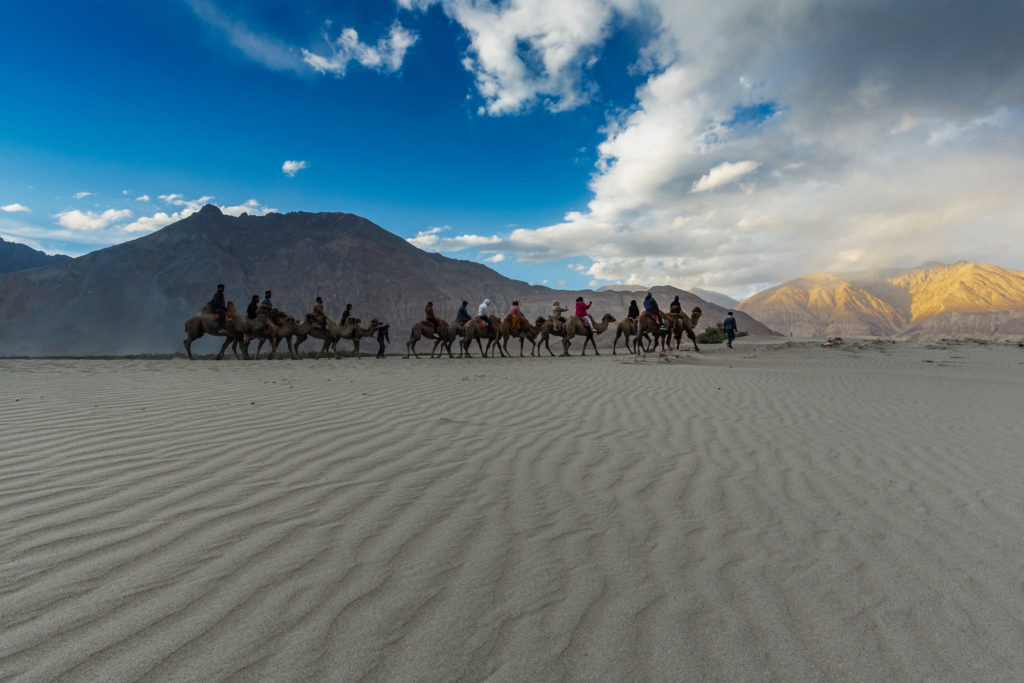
{"x": 134, "y": 297}
{"x": 15, "y": 257}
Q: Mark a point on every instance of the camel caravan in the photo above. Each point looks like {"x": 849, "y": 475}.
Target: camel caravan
{"x": 492, "y": 333}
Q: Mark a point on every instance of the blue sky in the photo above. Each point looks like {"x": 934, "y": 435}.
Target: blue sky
{"x": 582, "y": 142}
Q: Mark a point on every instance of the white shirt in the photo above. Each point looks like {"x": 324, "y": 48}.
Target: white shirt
{"x": 483, "y": 309}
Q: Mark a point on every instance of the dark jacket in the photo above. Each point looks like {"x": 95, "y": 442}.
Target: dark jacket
{"x": 650, "y": 304}
{"x": 729, "y": 324}
{"x": 675, "y": 306}
{"x": 463, "y": 316}
{"x": 382, "y": 334}
{"x": 217, "y": 302}
{"x": 253, "y": 309}
{"x": 634, "y": 311}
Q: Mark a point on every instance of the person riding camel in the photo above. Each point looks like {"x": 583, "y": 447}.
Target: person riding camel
{"x": 651, "y": 306}
{"x": 463, "y": 316}
{"x": 266, "y": 307}
{"x": 581, "y": 313}
{"x": 482, "y": 314}
{"x": 346, "y": 314}
{"x": 430, "y": 317}
{"x": 219, "y": 308}
{"x": 556, "y": 315}
{"x": 675, "y": 306}
{"x": 318, "y": 316}
{"x": 634, "y": 311}
{"x": 518, "y": 318}
{"x": 254, "y": 306}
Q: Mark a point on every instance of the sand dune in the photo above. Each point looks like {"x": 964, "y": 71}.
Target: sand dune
{"x": 784, "y": 511}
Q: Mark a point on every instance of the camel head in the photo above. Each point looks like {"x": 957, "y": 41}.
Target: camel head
{"x": 608, "y": 318}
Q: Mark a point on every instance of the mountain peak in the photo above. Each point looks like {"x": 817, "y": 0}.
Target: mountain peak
{"x": 210, "y": 210}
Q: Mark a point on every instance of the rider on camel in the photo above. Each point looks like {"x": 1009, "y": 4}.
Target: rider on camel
{"x": 518, "y": 318}
{"x": 556, "y": 314}
{"x": 219, "y": 308}
{"x": 463, "y": 316}
{"x": 675, "y": 306}
{"x": 346, "y": 314}
{"x": 634, "y": 311}
{"x": 318, "y": 316}
{"x": 430, "y": 317}
{"x": 581, "y": 313}
{"x": 651, "y": 306}
{"x": 481, "y": 312}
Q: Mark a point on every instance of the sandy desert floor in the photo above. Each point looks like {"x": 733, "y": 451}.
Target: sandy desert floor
{"x": 783, "y": 511}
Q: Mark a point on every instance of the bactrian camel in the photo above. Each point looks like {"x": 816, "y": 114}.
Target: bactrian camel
{"x": 520, "y": 329}
{"x": 236, "y": 329}
{"x": 474, "y": 330}
{"x": 626, "y": 328}
{"x": 424, "y": 329}
{"x": 574, "y": 326}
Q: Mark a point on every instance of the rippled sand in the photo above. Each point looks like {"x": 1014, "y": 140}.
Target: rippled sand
{"x": 785, "y": 512}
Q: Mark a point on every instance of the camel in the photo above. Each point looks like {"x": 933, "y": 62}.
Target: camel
{"x": 235, "y": 329}
{"x": 351, "y": 330}
{"x": 525, "y": 331}
{"x": 473, "y": 330}
{"x": 330, "y": 336}
{"x": 626, "y": 328}
{"x": 574, "y": 326}
{"x": 547, "y": 328}
{"x": 278, "y": 326}
{"x": 446, "y": 336}
{"x": 647, "y": 324}
{"x": 684, "y": 323}
{"x": 420, "y": 330}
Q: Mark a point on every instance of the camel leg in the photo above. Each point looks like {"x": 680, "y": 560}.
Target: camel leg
{"x": 410, "y": 346}
{"x": 223, "y": 347}
{"x": 291, "y": 350}
{"x": 188, "y": 347}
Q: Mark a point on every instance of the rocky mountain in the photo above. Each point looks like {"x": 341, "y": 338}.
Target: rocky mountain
{"x": 14, "y": 257}
{"x": 933, "y": 301}
{"x": 134, "y": 297}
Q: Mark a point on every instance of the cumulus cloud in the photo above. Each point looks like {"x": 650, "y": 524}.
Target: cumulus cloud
{"x": 81, "y": 195}
{"x": 15, "y": 208}
{"x": 142, "y": 198}
{"x": 386, "y": 56}
{"x": 723, "y": 174}
{"x": 89, "y": 220}
{"x": 290, "y": 168}
{"x": 529, "y": 50}
{"x": 881, "y": 137}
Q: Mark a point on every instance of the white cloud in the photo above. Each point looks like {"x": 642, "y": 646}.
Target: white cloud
{"x": 497, "y": 258}
{"x": 81, "y": 195}
{"x": 266, "y": 50}
{"x": 251, "y": 207}
{"x": 724, "y": 174}
{"x": 386, "y": 56}
{"x": 886, "y": 147}
{"x": 142, "y": 198}
{"x": 527, "y": 50}
{"x": 290, "y": 168}
{"x": 88, "y": 220}
{"x": 15, "y": 208}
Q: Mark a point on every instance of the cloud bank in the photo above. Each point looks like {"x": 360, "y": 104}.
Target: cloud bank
{"x": 769, "y": 141}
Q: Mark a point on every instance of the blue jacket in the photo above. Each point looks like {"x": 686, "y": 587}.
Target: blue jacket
{"x": 463, "y": 315}
{"x": 729, "y": 324}
{"x": 650, "y": 304}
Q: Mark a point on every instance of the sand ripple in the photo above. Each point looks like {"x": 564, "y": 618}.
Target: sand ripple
{"x": 778, "y": 513}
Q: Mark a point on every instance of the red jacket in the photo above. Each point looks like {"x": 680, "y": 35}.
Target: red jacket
{"x": 581, "y": 309}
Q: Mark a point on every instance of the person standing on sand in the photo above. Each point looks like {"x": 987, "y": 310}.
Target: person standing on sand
{"x": 730, "y": 328}
{"x": 382, "y": 337}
